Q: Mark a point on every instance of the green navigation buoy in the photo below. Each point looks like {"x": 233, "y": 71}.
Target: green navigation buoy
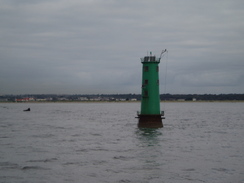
{"x": 150, "y": 115}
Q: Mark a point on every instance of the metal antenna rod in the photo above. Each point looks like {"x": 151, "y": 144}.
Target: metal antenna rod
{"x": 162, "y": 53}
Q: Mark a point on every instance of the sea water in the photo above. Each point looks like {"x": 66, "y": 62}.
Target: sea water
{"x": 100, "y": 142}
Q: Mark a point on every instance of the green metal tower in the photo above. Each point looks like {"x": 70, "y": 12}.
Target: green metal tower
{"x": 150, "y": 115}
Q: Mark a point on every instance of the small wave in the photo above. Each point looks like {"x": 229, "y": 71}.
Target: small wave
{"x": 44, "y": 160}
{"x": 82, "y": 150}
{"x": 8, "y": 165}
{"x": 189, "y": 169}
{"x": 124, "y": 181}
{"x": 122, "y": 158}
{"x": 34, "y": 168}
{"x": 4, "y": 137}
{"x": 220, "y": 169}
{"x": 96, "y": 162}
{"x": 75, "y": 163}
{"x": 43, "y": 136}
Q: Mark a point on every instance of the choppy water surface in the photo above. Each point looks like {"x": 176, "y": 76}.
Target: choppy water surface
{"x": 100, "y": 142}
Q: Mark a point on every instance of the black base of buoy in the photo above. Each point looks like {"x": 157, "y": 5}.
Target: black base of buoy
{"x": 150, "y": 121}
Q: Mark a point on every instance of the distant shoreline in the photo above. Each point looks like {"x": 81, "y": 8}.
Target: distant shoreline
{"x": 199, "y": 101}
{"x": 120, "y": 98}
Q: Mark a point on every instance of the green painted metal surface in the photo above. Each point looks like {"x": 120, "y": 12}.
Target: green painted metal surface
{"x": 150, "y": 102}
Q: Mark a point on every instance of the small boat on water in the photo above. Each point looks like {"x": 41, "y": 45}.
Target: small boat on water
{"x": 27, "y": 109}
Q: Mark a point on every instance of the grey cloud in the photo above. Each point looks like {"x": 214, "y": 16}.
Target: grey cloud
{"x": 95, "y": 46}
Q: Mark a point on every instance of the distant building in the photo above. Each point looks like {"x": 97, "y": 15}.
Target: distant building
{"x": 83, "y": 98}
{"x": 96, "y": 99}
{"x": 3, "y": 100}
{"x": 41, "y": 99}
{"x": 181, "y": 100}
{"x": 26, "y": 99}
{"x": 62, "y": 99}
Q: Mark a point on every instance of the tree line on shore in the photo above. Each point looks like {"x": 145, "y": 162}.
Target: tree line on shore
{"x": 124, "y": 97}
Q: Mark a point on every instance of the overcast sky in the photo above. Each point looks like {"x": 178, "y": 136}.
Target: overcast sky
{"x": 94, "y": 46}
